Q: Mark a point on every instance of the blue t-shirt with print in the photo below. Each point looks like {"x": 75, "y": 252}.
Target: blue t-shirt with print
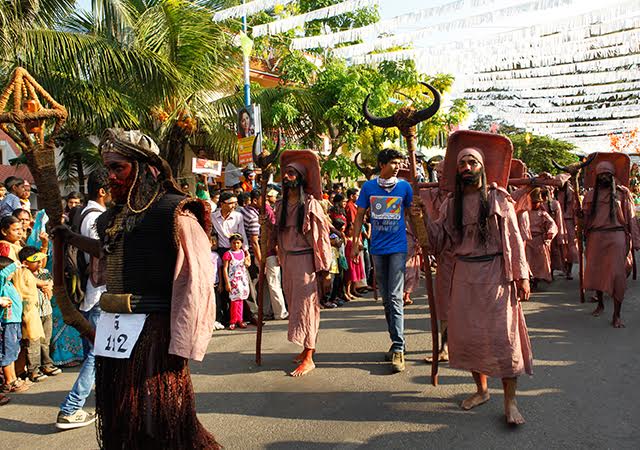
{"x": 388, "y": 229}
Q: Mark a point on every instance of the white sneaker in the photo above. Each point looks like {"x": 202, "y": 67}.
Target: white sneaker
{"x": 217, "y": 326}
{"x": 78, "y": 419}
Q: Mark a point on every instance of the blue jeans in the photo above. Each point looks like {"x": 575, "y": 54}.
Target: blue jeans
{"x": 86, "y": 377}
{"x": 390, "y": 271}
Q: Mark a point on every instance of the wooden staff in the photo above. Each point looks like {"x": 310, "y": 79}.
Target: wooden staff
{"x": 406, "y": 119}
{"x": 264, "y": 162}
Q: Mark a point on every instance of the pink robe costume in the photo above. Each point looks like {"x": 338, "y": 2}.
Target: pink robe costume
{"x": 608, "y": 259}
{"x": 535, "y": 228}
{"x": 302, "y": 255}
{"x": 558, "y": 243}
{"x": 568, "y": 202}
{"x": 487, "y": 329}
{"x": 433, "y": 200}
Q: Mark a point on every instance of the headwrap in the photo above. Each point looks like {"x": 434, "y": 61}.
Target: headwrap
{"x": 476, "y": 153}
{"x": 605, "y": 167}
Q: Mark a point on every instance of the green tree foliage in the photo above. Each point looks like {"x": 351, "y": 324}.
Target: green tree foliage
{"x": 535, "y": 151}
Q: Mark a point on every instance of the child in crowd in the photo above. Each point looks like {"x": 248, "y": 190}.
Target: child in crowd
{"x": 39, "y": 363}
{"x": 11, "y": 233}
{"x": 332, "y": 300}
{"x": 217, "y": 265}
{"x": 236, "y": 278}
{"x": 355, "y": 273}
{"x": 11, "y": 318}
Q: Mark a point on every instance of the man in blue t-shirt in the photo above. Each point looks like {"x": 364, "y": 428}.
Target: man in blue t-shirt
{"x": 387, "y": 198}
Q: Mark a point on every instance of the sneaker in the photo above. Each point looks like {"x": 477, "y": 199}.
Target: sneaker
{"x": 78, "y": 419}
{"x": 37, "y": 376}
{"x": 218, "y": 326}
{"x": 389, "y": 355}
{"x": 51, "y": 371}
{"x": 397, "y": 362}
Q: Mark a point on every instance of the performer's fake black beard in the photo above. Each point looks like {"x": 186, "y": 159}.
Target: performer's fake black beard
{"x": 291, "y": 183}
{"x": 472, "y": 180}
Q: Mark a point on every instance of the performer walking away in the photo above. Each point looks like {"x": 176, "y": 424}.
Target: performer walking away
{"x": 611, "y": 230}
{"x": 538, "y": 230}
{"x": 567, "y": 199}
{"x": 487, "y": 330}
{"x": 301, "y": 234}
{"x": 387, "y": 198}
{"x": 159, "y": 308}
{"x": 554, "y": 209}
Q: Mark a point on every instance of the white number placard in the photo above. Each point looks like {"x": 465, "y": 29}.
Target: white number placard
{"x": 117, "y": 334}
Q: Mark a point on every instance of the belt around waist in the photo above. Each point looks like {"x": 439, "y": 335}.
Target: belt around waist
{"x": 607, "y": 229}
{"x": 306, "y": 251}
{"x": 134, "y": 304}
{"x": 480, "y": 258}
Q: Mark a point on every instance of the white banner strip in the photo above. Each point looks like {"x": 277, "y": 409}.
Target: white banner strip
{"x": 248, "y": 9}
{"x": 290, "y": 23}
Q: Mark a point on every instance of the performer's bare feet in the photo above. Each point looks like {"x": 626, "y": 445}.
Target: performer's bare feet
{"x": 474, "y": 400}
{"x": 298, "y": 359}
{"x": 511, "y": 412}
{"x": 306, "y": 364}
{"x": 443, "y": 356}
{"x": 598, "y": 311}
{"x": 304, "y": 368}
{"x": 617, "y": 322}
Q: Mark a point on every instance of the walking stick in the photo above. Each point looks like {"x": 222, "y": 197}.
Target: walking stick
{"x": 574, "y": 170}
{"x": 406, "y": 119}
{"x": 25, "y": 124}
{"x": 264, "y": 162}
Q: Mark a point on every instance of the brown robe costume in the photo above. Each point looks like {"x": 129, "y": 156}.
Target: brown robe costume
{"x": 554, "y": 209}
{"x": 609, "y": 242}
{"x": 569, "y": 204}
{"x": 302, "y": 255}
{"x": 487, "y": 329}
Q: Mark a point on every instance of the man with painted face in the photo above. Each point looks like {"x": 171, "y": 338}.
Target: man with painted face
{"x": 158, "y": 288}
{"x": 487, "y": 334}
{"x": 301, "y": 235}
{"x": 611, "y": 230}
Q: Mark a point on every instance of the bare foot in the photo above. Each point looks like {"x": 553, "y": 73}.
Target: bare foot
{"x": 617, "y": 323}
{"x": 596, "y": 312}
{"x": 474, "y": 400}
{"x": 304, "y": 368}
{"x": 512, "y": 414}
{"x": 443, "y": 357}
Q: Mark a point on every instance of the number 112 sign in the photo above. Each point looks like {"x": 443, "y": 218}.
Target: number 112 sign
{"x": 117, "y": 334}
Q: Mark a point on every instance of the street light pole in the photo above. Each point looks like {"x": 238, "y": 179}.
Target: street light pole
{"x": 247, "y": 88}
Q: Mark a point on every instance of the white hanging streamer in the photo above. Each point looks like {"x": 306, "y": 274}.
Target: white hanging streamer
{"x": 503, "y": 16}
{"x": 290, "y": 23}
{"x": 248, "y": 9}
{"x": 419, "y": 16}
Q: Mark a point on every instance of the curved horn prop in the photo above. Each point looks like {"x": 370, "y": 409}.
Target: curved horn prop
{"x": 431, "y": 111}
{"x": 559, "y": 167}
{"x": 589, "y": 160}
{"x": 383, "y": 122}
{"x": 358, "y": 166}
{"x": 274, "y": 154}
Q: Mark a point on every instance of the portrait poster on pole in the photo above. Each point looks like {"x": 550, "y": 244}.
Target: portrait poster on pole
{"x": 249, "y": 124}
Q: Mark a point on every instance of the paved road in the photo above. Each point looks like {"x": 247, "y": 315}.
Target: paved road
{"x": 584, "y": 393}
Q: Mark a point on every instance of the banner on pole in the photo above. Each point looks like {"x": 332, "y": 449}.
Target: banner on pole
{"x": 249, "y": 125}
{"x": 206, "y": 167}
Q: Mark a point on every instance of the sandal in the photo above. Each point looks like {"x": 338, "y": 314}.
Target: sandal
{"x": 16, "y": 386}
{"x": 232, "y": 326}
{"x": 4, "y": 400}
{"x": 242, "y": 325}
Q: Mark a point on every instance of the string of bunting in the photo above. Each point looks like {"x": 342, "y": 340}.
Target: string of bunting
{"x": 248, "y": 9}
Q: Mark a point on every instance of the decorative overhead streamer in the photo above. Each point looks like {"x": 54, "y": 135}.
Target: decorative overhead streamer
{"x": 501, "y": 16}
{"x": 414, "y": 17}
{"x": 248, "y": 9}
{"x": 290, "y": 23}
{"x": 566, "y": 94}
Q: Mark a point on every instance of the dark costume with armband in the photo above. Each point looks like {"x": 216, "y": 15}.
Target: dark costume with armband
{"x": 156, "y": 248}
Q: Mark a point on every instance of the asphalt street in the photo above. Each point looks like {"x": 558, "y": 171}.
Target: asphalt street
{"x": 584, "y": 392}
